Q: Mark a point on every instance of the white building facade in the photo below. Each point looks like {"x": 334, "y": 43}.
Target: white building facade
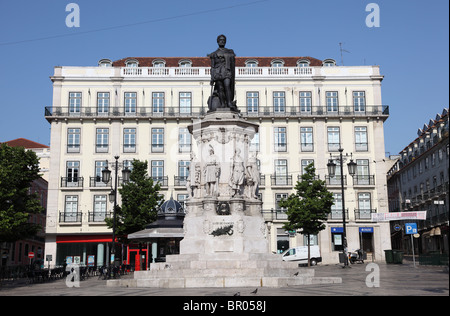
{"x": 139, "y": 108}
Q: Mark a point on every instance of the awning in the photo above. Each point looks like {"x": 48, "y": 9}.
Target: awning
{"x": 160, "y": 232}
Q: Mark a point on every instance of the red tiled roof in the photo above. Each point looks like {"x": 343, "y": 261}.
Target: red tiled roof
{"x": 205, "y": 61}
{"x": 23, "y": 142}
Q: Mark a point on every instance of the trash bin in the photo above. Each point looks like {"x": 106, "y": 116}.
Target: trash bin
{"x": 397, "y": 256}
{"x": 388, "y": 254}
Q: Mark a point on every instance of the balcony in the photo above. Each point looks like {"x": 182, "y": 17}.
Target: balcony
{"x": 72, "y": 182}
{"x": 335, "y": 180}
{"x": 70, "y": 217}
{"x": 281, "y": 180}
{"x": 55, "y": 112}
{"x": 364, "y": 214}
{"x": 180, "y": 181}
{"x": 363, "y": 180}
{"x": 163, "y": 181}
{"x": 99, "y": 217}
{"x": 336, "y": 215}
{"x": 271, "y": 215}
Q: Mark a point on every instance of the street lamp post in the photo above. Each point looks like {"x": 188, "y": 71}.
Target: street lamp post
{"x": 332, "y": 171}
{"x": 106, "y": 177}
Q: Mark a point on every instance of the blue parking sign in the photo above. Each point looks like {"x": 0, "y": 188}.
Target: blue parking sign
{"x": 410, "y": 228}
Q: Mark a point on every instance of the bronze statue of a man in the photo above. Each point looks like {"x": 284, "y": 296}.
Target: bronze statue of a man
{"x": 222, "y": 77}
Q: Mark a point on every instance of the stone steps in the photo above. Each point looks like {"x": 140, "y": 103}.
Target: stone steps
{"x": 205, "y": 282}
{"x": 191, "y": 271}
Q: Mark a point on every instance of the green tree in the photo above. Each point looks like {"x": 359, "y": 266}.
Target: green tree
{"x": 140, "y": 202}
{"x": 18, "y": 169}
{"x": 309, "y": 206}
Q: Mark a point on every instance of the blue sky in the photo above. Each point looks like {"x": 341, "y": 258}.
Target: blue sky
{"x": 411, "y": 46}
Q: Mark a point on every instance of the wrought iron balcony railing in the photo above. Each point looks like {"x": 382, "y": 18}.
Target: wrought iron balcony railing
{"x": 200, "y": 111}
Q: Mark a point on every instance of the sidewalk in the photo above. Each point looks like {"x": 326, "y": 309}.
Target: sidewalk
{"x": 394, "y": 280}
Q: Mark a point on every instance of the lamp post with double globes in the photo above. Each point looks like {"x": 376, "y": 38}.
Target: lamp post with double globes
{"x": 106, "y": 177}
{"x": 332, "y": 171}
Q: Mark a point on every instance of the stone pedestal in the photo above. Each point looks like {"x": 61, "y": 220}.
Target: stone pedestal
{"x": 225, "y": 237}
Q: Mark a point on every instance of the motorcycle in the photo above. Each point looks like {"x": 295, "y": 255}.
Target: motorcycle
{"x": 356, "y": 257}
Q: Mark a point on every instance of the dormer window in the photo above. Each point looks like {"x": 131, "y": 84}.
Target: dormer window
{"x": 251, "y": 63}
{"x": 329, "y": 63}
{"x": 185, "y": 63}
{"x": 303, "y": 63}
{"x": 158, "y": 63}
{"x": 131, "y": 63}
{"x": 277, "y": 63}
{"x": 105, "y": 63}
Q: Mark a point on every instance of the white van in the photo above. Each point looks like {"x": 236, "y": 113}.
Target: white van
{"x": 301, "y": 254}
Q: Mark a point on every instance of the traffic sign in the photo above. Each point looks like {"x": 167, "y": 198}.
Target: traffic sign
{"x": 410, "y": 228}
{"x": 31, "y": 255}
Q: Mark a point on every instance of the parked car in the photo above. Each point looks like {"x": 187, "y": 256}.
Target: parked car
{"x": 300, "y": 254}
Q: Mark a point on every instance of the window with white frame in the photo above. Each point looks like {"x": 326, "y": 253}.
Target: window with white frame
{"x": 359, "y": 101}
{"x": 99, "y": 166}
{"x": 305, "y": 163}
{"x": 71, "y": 208}
{"x": 72, "y": 172}
{"x": 130, "y": 103}
{"x": 336, "y": 208}
{"x": 102, "y": 140}
{"x": 361, "y": 138}
{"x": 183, "y": 171}
{"x": 185, "y": 103}
{"x": 99, "y": 213}
{"x": 332, "y": 101}
{"x": 74, "y": 103}
{"x": 129, "y": 140}
{"x": 184, "y": 140}
{"x": 131, "y": 63}
{"x": 157, "y": 140}
{"x": 102, "y": 103}
{"x": 303, "y": 63}
{"x": 305, "y": 101}
{"x": 158, "y": 171}
{"x": 251, "y": 63}
{"x": 254, "y": 144}
{"x": 364, "y": 205}
{"x": 306, "y": 139}
{"x": 277, "y": 63}
{"x": 333, "y": 136}
{"x": 362, "y": 171}
{"x": 252, "y": 102}
{"x": 279, "y": 102}
{"x": 73, "y": 140}
{"x": 278, "y": 198}
{"x": 158, "y": 103}
{"x": 280, "y": 139}
{"x": 281, "y": 172}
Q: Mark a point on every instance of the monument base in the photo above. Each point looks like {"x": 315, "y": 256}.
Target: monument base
{"x": 223, "y": 270}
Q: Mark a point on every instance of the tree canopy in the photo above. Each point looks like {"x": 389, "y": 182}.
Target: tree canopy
{"x": 18, "y": 169}
{"x": 309, "y": 206}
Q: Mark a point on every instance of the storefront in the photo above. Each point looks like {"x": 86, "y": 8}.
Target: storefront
{"x": 159, "y": 238}
{"x": 87, "y": 250}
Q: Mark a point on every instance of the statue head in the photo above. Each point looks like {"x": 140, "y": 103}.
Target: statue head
{"x": 221, "y": 40}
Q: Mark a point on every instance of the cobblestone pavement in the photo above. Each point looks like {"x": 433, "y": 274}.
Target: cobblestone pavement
{"x": 358, "y": 280}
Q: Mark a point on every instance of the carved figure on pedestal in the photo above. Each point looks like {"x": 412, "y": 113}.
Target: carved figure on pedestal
{"x": 212, "y": 174}
{"x": 193, "y": 182}
{"x": 253, "y": 178}
{"x": 237, "y": 173}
